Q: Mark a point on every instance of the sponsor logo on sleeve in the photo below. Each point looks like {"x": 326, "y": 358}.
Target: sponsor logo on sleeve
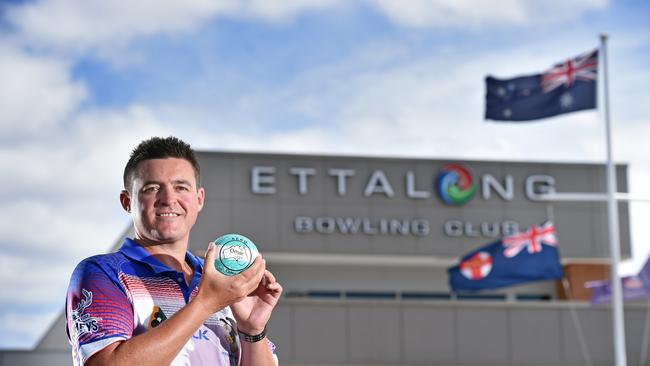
{"x": 82, "y": 322}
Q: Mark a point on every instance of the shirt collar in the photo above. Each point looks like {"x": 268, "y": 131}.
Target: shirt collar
{"x": 135, "y": 251}
{"x": 195, "y": 261}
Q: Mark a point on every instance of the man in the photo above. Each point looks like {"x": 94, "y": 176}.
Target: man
{"x": 153, "y": 302}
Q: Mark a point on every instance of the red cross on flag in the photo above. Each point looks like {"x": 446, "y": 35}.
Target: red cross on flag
{"x": 477, "y": 267}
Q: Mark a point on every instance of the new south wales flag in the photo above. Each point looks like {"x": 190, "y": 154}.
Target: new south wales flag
{"x": 523, "y": 257}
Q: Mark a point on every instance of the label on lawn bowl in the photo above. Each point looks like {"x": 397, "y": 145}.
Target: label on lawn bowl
{"x": 235, "y": 253}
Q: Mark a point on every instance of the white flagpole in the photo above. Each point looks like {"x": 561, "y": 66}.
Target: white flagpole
{"x": 612, "y": 209}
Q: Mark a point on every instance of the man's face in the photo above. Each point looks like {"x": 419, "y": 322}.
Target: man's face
{"x": 164, "y": 200}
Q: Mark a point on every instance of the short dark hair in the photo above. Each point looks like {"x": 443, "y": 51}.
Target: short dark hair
{"x": 160, "y": 148}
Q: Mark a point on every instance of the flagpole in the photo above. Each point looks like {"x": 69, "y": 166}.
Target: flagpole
{"x": 612, "y": 208}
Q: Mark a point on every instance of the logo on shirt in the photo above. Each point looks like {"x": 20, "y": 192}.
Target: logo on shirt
{"x": 84, "y": 323}
{"x": 157, "y": 316}
{"x": 201, "y": 334}
{"x": 231, "y": 329}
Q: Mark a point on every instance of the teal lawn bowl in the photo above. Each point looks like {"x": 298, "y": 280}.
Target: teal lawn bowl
{"x": 235, "y": 253}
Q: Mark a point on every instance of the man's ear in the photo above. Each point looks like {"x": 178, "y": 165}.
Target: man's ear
{"x": 201, "y": 198}
{"x": 125, "y": 200}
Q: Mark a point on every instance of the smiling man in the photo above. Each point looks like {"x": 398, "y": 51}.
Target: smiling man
{"x": 155, "y": 303}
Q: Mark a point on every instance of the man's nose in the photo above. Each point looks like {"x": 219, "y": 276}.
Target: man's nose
{"x": 166, "y": 196}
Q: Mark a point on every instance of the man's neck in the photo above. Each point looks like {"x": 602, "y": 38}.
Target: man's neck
{"x": 170, "y": 254}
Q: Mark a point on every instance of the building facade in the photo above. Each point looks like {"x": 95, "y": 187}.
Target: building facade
{"x": 362, "y": 246}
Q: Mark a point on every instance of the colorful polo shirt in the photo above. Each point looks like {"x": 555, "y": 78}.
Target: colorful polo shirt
{"x": 116, "y": 296}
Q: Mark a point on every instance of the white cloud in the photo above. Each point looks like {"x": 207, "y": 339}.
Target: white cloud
{"x": 84, "y": 161}
{"x": 417, "y": 107}
{"x": 36, "y": 92}
{"x": 282, "y": 10}
{"x": 19, "y": 330}
{"x": 419, "y": 13}
{"x": 79, "y": 25}
{"x": 469, "y": 14}
{"x": 107, "y": 26}
{"x": 423, "y": 108}
{"x": 303, "y": 140}
{"x": 61, "y": 228}
{"x": 41, "y": 278}
{"x": 61, "y": 203}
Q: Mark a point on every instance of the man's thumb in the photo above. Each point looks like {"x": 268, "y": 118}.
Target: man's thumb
{"x": 210, "y": 255}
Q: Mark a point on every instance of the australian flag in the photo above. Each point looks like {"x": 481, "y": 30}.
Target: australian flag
{"x": 523, "y": 257}
{"x": 567, "y": 87}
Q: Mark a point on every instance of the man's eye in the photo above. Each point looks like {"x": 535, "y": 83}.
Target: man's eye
{"x": 183, "y": 188}
{"x": 150, "y": 189}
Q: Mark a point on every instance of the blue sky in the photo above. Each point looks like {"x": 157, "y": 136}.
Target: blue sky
{"x": 84, "y": 81}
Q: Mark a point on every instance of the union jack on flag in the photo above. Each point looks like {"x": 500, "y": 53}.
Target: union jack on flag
{"x": 531, "y": 239}
{"x": 583, "y": 67}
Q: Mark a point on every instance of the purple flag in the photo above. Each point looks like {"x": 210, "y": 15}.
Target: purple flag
{"x": 635, "y": 287}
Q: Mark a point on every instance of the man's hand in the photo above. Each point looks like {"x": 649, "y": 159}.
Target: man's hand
{"x": 216, "y": 290}
{"x": 254, "y": 311}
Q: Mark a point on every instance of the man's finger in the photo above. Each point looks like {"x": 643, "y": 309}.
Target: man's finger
{"x": 256, "y": 269}
{"x": 253, "y": 275}
{"x": 275, "y": 287}
{"x": 268, "y": 277}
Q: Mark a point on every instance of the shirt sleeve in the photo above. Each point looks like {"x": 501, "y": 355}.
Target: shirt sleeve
{"x": 98, "y": 311}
